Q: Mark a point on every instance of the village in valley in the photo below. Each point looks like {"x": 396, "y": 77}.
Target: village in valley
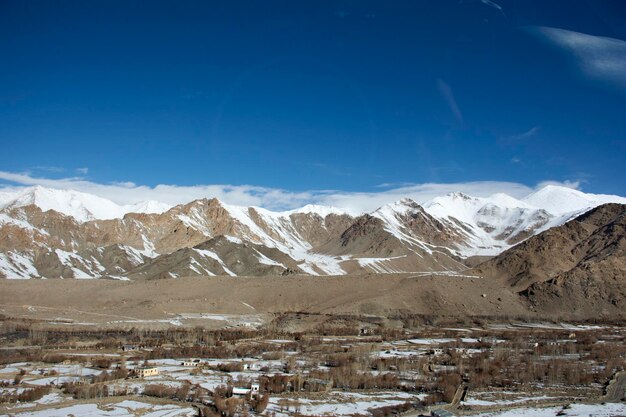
{"x": 342, "y": 366}
{"x": 337, "y": 208}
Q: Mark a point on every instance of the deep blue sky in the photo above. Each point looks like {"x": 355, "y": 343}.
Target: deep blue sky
{"x": 309, "y": 95}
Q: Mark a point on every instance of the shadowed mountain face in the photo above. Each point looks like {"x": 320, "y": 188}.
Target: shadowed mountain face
{"x": 219, "y": 256}
{"x": 53, "y": 233}
{"x": 579, "y": 266}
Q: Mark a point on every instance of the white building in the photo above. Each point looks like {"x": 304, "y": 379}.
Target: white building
{"x": 253, "y": 390}
{"x": 145, "y": 371}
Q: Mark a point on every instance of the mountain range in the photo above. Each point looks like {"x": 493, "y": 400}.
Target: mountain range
{"x": 52, "y": 233}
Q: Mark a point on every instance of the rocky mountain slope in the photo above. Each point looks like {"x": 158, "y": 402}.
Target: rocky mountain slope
{"x": 579, "y": 266}
{"x": 48, "y": 233}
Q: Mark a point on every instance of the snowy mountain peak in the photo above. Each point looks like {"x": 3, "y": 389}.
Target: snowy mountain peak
{"x": 507, "y": 201}
{"x": 147, "y": 207}
{"x": 81, "y": 206}
{"x": 401, "y": 206}
{"x": 408, "y": 202}
{"x": 322, "y": 211}
{"x": 560, "y": 200}
{"x": 460, "y": 196}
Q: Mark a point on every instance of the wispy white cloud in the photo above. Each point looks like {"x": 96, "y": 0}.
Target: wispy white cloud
{"x": 447, "y": 94}
{"x": 522, "y": 136}
{"x": 493, "y": 5}
{"x": 82, "y": 171}
{"x": 598, "y": 57}
{"x": 272, "y": 198}
{"x": 48, "y": 168}
{"x": 575, "y": 184}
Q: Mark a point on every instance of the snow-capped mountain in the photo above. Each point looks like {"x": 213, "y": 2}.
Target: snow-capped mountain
{"x": 80, "y": 206}
{"x": 561, "y": 200}
{"x": 490, "y": 224}
{"x": 63, "y": 233}
{"x": 148, "y": 207}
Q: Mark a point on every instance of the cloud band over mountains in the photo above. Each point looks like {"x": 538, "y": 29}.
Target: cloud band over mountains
{"x": 271, "y": 198}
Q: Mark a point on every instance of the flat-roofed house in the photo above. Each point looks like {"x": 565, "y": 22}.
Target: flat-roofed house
{"x": 145, "y": 371}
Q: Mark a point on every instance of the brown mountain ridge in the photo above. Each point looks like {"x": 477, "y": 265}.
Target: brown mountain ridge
{"x": 579, "y": 266}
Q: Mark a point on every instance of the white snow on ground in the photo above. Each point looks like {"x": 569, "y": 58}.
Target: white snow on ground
{"x": 56, "y": 380}
{"x": 545, "y": 325}
{"x": 267, "y": 261}
{"x": 378, "y": 264}
{"x": 207, "y": 381}
{"x": 440, "y": 341}
{"x": 124, "y": 408}
{"x": 341, "y": 404}
{"x": 50, "y": 398}
{"x": 13, "y": 367}
{"x": 575, "y": 410}
{"x": 249, "y": 320}
{"x": 443, "y": 274}
{"x": 76, "y": 369}
{"x": 521, "y": 400}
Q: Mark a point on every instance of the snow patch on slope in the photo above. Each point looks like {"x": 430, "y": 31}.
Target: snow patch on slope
{"x": 70, "y": 260}
{"x": 267, "y": 261}
{"x": 284, "y": 238}
{"x": 15, "y": 265}
{"x": 379, "y": 265}
{"x": 213, "y": 255}
{"x": 486, "y": 222}
{"x": 390, "y": 215}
